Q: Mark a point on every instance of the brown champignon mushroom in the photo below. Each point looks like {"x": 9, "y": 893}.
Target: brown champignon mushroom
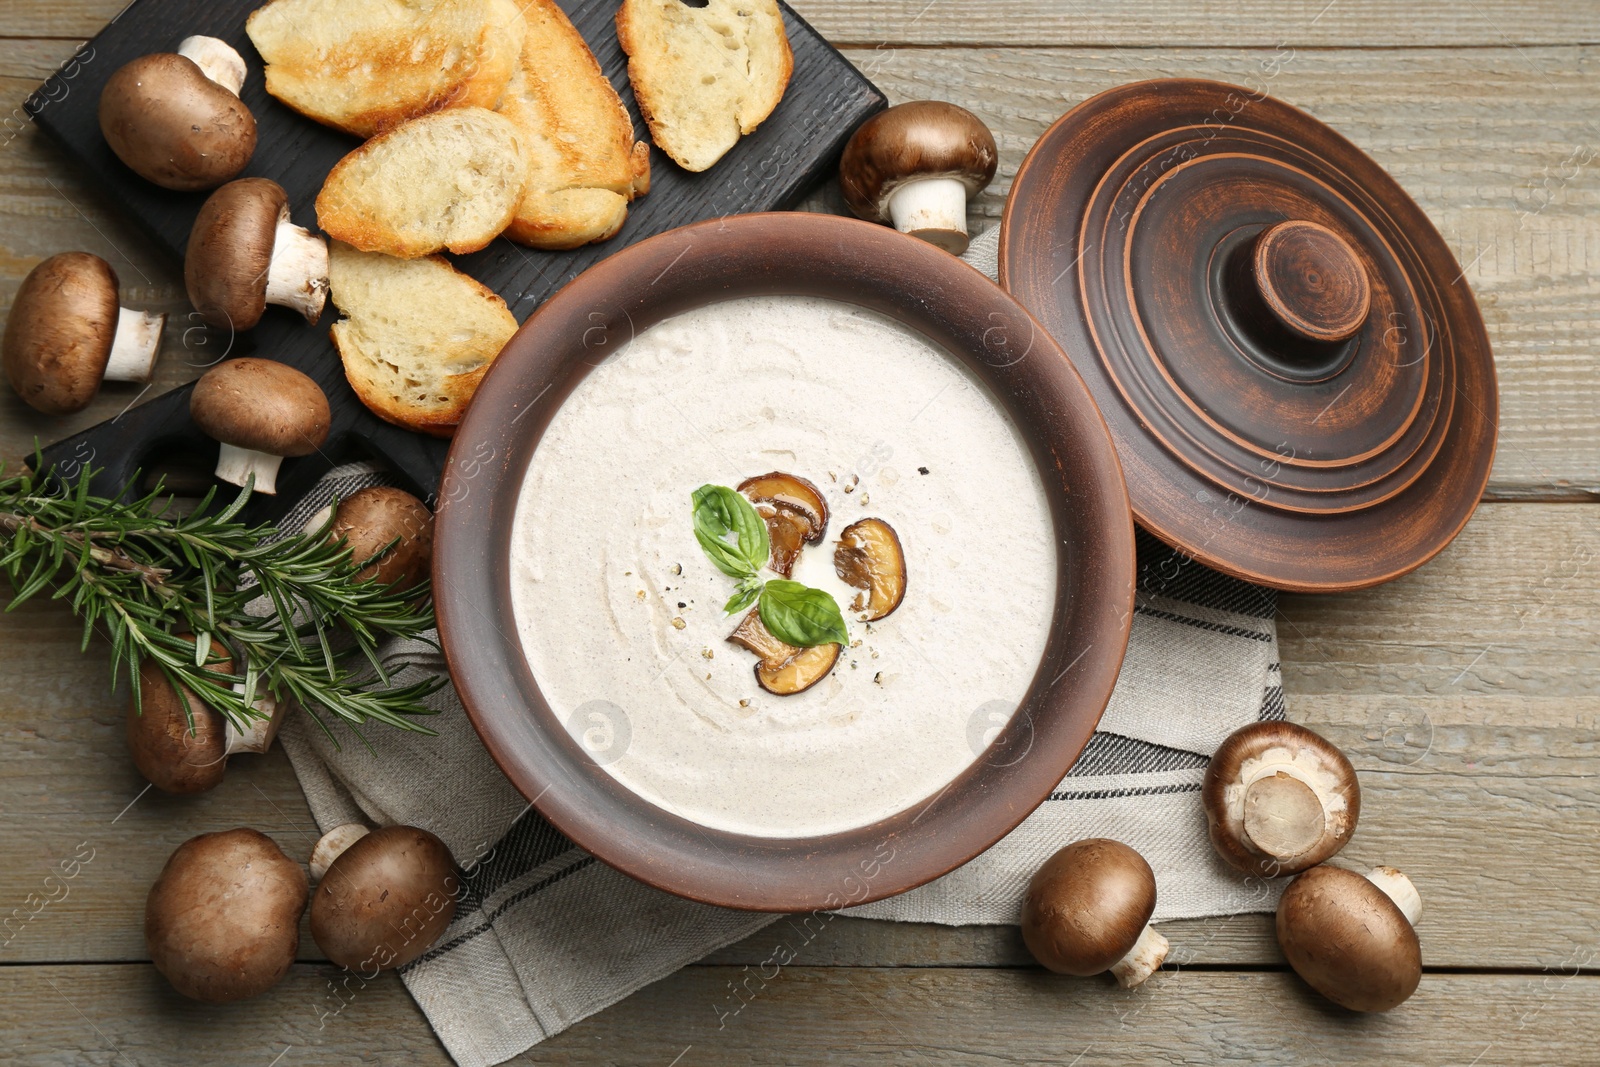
{"x": 915, "y": 165}
{"x": 869, "y": 557}
{"x": 1279, "y": 799}
{"x": 223, "y": 920}
{"x": 1088, "y": 909}
{"x": 66, "y": 333}
{"x": 1353, "y": 939}
{"x": 185, "y": 750}
{"x": 260, "y": 411}
{"x": 783, "y": 669}
{"x": 385, "y": 899}
{"x": 177, "y": 752}
{"x": 244, "y": 254}
{"x": 389, "y": 531}
{"x": 176, "y": 118}
{"x": 794, "y": 511}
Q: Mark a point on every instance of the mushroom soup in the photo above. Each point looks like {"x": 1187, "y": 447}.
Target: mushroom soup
{"x": 620, "y": 612}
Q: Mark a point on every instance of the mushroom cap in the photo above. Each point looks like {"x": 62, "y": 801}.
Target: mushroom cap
{"x": 919, "y": 139}
{"x": 261, "y": 405}
{"x": 223, "y": 920}
{"x": 166, "y": 752}
{"x": 385, "y": 900}
{"x": 1279, "y": 799}
{"x": 174, "y": 126}
{"x": 1087, "y": 906}
{"x": 1348, "y": 940}
{"x": 230, "y": 250}
{"x": 371, "y": 518}
{"x": 59, "y": 333}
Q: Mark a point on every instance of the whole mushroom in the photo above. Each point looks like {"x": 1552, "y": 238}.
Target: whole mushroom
{"x": 389, "y": 532}
{"x": 67, "y": 333}
{"x": 1279, "y": 799}
{"x": 915, "y": 165}
{"x": 176, "y": 118}
{"x": 1088, "y": 910}
{"x": 244, "y": 253}
{"x": 385, "y": 899}
{"x": 260, "y": 411}
{"x": 222, "y": 922}
{"x": 187, "y": 753}
{"x": 1353, "y": 938}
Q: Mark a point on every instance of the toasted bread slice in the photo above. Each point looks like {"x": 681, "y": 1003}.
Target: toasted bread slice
{"x": 416, "y": 337}
{"x": 366, "y": 67}
{"x": 452, "y": 179}
{"x": 704, "y": 76}
{"x": 584, "y": 165}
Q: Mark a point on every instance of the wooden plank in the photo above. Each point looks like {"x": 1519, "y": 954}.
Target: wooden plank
{"x": 127, "y": 1014}
{"x": 1471, "y": 763}
{"x": 124, "y": 1015}
{"x": 1302, "y": 23}
{"x": 1196, "y": 23}
{"x": 26, "y": 63}
{"x": 1506, "y": 612}
{"x": 1492, "y": 142}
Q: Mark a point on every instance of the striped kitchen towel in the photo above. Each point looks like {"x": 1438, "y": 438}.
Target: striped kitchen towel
{"x": 545, "y": 935}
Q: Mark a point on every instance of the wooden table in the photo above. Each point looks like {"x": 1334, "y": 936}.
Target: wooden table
{"x": 1468, "y": 695}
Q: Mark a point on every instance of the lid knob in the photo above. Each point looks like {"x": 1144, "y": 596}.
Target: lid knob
{"x": 1310, "y": 281}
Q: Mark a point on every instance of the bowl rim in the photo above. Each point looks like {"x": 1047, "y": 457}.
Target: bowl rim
{"x": 923, "y": 288}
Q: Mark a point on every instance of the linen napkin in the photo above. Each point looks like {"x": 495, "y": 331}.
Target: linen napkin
{"x": 544, "y": 935}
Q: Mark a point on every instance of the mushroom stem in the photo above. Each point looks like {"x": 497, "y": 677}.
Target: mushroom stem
{"x": 934, "y": 209}
{"x": 134, "y": 346}
{"x": 1283, "y": 816}
{"x": 1142, "y": 960}
{"x": 298, "y": 274}
{"x": 235, "y": 465}
{"x": 316, "y": 522}
{"x": 216, "y": 59}
{"x": 331, "y": 845}
{"x": 258, "y": 735}
{"x": 1398, "y": 888}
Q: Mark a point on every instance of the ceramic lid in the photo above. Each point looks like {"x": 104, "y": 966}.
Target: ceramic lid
{"x": 1292, "y": 365}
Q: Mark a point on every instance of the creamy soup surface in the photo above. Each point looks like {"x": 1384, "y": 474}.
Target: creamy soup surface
{"x": 619, "y": 612}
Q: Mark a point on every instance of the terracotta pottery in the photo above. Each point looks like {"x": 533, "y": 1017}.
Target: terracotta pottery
{"x": 1291, "y": 362}
{"x": 926, "y": 290}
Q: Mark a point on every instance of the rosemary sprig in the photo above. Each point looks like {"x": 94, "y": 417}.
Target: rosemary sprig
{"x": 145, "y": 576}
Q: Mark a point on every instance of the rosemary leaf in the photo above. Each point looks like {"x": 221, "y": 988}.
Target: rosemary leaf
{"x": 143, "y": 577}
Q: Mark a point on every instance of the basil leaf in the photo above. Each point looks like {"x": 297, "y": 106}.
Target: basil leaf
{"x": 749, "y": 589}
{"x": 720, "y": 512}
{"x": 800, "y": 615}
{"x": 727, "y": 558}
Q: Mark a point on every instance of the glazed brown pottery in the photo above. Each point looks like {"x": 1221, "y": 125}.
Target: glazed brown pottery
{"x": 1291, "y": 362}
{"x": 926, "y": 290}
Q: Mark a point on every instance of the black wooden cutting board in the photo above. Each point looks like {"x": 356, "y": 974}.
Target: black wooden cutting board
{"x": 771, "y": 169}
